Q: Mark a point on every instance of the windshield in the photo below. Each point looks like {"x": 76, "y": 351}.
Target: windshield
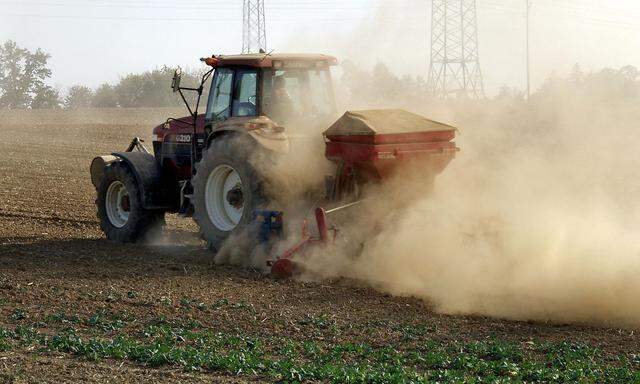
{"x": 292, "y": 94}
{"x": 218, "y": 107}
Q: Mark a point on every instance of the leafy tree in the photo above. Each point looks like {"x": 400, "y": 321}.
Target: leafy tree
{"x": 358, "y": 84}
{"x": 387, "y": 84}
{"x": 630, "y": 73}
{"x": 606, "y": 86}
{"x": 509, "y": 93}
{"x": 380, "y": 87}
{"x": 22, "y": 78}
{"x": 129, "y": 91}
{"x": 149, "y": 89}
{"x": 46, "y": 98}
{"x": 79, "y": 96}
{"x": 577, "y": 75}
{"x": 105, "y": 97}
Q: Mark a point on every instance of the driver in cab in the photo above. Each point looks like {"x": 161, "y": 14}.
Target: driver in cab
{"x": 282, "y": 105}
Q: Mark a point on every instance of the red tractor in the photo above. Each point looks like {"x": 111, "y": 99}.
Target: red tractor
{"x": 204, "y": 165}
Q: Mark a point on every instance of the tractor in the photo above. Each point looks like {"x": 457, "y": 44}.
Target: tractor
{"x": 207, "y": 165}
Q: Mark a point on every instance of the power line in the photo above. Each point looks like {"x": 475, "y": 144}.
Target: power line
{"x": 199, "y": 6}
{"x": 116, "y": 18}
{"x": 629, "y": 12}
{"x": 208, "y": 5}
{"x": 596, "y": 19}
{"x": 318, "y": 5}
{"x": 174, "y": 19}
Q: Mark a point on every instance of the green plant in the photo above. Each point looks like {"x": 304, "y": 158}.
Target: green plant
{"x": 18, "y": 314}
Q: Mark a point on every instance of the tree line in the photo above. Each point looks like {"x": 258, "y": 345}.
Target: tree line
{"x": 24, "y": 75}
{"x": 139, "y": 90}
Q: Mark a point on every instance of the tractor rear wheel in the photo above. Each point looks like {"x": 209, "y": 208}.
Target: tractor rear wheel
{"x": 122, "y": 216}
{"x": 227, "y": 189}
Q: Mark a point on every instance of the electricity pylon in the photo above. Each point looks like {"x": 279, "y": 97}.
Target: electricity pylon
{"x": 455, "y": 61}
{"x": 254, "y": 37}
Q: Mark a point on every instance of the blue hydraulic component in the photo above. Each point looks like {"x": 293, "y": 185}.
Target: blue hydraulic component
{"x": 268, "y": 224}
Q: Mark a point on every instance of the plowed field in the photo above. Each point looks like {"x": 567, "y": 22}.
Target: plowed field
{"x": 77, "y": 308}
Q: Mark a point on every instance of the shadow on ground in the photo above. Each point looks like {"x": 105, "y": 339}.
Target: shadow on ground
{"x": 102, "y": 257}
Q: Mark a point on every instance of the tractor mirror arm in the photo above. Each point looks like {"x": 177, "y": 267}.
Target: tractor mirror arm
{"x": 177, "y": 88}
{"x": 200, "y": 89}
{"x": 194, "y": 113}
{"x": 186, "y": 103}
{"x": 177, "y": 77}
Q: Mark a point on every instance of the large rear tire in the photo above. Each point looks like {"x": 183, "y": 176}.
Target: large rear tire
{"x": 120, "y": 210}
{"x": 227, "y": 189}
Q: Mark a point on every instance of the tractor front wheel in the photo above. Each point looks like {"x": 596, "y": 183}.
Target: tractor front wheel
{"x": 122, "y": 216}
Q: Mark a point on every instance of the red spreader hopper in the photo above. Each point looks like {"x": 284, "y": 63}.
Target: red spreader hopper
{"x": 370, "y": 146}
{"x": 379, "y": 141}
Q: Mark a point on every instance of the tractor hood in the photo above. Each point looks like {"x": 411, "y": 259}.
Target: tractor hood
{"x": 178, "y": 126}
{"x": 384, "y": 122}
{"x": 261, "y": 128}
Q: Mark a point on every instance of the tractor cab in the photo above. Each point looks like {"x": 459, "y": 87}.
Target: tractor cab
{"x": 285, "y": 88}
{"x": 269, "y": 97}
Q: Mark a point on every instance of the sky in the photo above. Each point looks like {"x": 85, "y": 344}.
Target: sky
{"x": 96, "y": 41}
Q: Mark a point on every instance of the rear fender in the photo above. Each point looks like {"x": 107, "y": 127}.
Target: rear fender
{"x": 157, "y": 193}
{"x": 278, "y": 144}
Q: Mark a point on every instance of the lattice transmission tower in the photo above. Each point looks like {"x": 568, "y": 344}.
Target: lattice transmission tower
{"x": 254, "y": 37}
{"x": 455, "y": 61}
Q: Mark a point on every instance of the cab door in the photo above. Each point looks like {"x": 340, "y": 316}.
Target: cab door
{"x": 220, "y": 96}
{"x": 234, "y": 93}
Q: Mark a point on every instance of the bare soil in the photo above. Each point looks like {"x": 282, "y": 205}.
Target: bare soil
{"x": 54, "y": 259}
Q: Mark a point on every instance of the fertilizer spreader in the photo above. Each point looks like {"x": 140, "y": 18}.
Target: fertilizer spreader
{"x": 371, "y": 147}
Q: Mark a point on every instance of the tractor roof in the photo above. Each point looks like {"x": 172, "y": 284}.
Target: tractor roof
{"x": 264, "y": 60}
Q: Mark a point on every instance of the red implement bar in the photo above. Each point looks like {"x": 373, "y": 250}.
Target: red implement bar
{"x": 284, "y": 266}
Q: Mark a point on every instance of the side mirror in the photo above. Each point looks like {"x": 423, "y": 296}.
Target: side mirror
{"x": 177, "y": 78}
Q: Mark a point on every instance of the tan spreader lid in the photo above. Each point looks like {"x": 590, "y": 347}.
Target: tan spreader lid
{"x": 383, "y": 121}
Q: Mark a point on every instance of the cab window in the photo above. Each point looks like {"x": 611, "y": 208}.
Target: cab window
{"x": 244, "y": 101}
{"x": 219, "y": 105}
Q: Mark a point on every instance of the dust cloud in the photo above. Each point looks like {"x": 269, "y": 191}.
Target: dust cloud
{"x": 537, "y": 218}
